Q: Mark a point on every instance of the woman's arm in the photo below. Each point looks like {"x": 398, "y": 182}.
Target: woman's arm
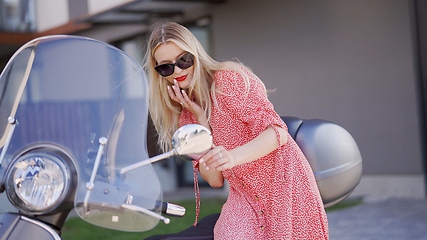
{"x": 220, "y": 159}
{"x": 214, "y": 178}
{"x": 259, "y": 147}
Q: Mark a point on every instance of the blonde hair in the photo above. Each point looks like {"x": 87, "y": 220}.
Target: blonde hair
{"x": 164, "y": 111}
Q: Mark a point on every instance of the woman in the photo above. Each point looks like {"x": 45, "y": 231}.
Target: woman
{"x": 273, "y": 193}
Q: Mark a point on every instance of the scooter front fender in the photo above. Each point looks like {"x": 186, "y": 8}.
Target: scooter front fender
{"x": 14, "y": 226}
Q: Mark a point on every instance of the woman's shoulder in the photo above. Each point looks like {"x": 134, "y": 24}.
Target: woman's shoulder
{"x": 236, "y": 74}
{"x": 225, "y": 68}
{"x": 230, "y": 71}
{"x": 226, "y": 79}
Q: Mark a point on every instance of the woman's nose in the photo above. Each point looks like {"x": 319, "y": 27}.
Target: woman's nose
{"x": 177, "y": 69}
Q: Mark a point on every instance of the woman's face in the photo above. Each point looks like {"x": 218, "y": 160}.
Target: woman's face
{"x": 169, "y": 53}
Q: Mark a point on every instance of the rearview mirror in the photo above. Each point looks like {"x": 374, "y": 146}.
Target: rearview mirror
{"x": 192, "y": 141}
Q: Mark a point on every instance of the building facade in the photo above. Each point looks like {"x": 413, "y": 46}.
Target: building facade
{"x": 360, "y": 64}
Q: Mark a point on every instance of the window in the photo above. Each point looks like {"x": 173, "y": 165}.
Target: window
{"x": 17, "y": 16}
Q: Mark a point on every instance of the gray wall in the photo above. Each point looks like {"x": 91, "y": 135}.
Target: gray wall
{"x": 351, "y": 62}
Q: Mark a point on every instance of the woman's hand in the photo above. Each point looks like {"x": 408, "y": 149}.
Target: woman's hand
{"x": 181, "y": 97}
{"x": 218, "y": 158}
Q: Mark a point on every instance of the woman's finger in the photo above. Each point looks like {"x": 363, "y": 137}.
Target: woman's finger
{"x": 207, "y": 158}
{"x": 185, "y": 96}
{"x": 175, "y": 93}
{"x": 171, "y": 93}
{"x": 177, "y": 89}
{"x": 215, "y": 158}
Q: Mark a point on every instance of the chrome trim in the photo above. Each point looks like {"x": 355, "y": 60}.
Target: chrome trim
{"x": 90, "y": 184}
{"x": 321, "y": 175}
{"x": 54, "y": 154}
{"x": 12, "y": 122}
{"x": 192, "y": 140}
{"x": 46, "y": 227}
{"x": 25, "y": 78}
{"x": 145, "y": 211}
{"x": 175, "y": 210}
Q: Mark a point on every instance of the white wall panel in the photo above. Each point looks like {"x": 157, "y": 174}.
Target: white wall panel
{"x": 351, "y": 62}
{"x": 95, "y": 6}
{"x": 51, "y": 14}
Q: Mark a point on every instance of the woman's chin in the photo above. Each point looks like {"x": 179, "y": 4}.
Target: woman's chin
{"x": 184, "y": 84}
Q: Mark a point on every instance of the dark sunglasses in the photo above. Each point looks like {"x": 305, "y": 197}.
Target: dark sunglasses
{"x": 184, "y": 62}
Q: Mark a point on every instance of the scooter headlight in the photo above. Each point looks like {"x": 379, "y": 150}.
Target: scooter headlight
{"x": 37, "y": 182}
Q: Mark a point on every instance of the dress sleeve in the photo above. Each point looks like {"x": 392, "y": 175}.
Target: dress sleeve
{"x": 251, "y": 107}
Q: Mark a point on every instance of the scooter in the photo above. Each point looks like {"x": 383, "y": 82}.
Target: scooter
{"x": 73, "y": 135}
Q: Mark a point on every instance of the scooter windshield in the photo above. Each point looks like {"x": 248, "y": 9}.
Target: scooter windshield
{"x": 89, "y": 100}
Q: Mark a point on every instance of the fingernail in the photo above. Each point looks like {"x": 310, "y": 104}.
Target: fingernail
{"x": 207, "y": 168}
{"x": 168, "y": 87}
{"x": 173, "y": 87}
{"x": 201, "y": 160}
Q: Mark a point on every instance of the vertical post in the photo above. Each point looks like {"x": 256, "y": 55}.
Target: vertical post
{"x": 420, "y": 12}
{"x": 12, "y": 121}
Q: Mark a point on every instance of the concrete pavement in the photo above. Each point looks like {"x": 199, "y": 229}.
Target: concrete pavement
{"x": 391, "y": 219}
{"x": 374, "y": 219}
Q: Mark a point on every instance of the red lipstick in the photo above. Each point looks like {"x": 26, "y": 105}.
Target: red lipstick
{"x": 182, "y": 78}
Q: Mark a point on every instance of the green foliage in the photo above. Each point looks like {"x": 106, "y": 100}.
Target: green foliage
{"x": 344, "y": 204}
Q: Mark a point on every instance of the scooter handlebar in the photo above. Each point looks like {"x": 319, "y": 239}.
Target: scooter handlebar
{"x": 173, "y": 209}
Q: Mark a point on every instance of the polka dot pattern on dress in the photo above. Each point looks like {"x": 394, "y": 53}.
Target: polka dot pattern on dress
{"x": 274, "y": 197}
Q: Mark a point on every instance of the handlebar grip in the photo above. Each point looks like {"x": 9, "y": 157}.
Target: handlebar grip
{"x": 173, "y": 209}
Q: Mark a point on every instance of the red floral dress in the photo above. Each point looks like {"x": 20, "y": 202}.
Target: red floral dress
{"x": 274, "y": 197}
